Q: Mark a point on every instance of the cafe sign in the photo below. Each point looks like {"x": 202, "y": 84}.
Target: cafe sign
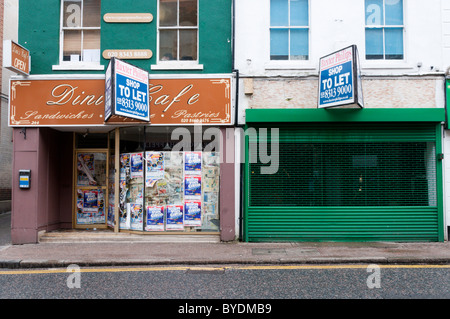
{"x": 16, "y": 58}
{"x": 47, "y": 101}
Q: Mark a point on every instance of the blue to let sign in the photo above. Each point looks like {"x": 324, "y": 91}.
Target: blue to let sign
{"x": 338, "y": 84}
{"x": 128, "y": 87}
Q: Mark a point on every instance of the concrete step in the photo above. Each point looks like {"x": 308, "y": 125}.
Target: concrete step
{"x": 97, "y": 236}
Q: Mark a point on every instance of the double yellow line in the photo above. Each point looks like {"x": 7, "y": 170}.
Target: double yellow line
{"x": 212, "y": 269}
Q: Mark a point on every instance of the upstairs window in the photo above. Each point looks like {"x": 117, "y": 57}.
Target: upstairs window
{"x": 384, "y": 29}
{"x": 80, "y": 31}
{"x": 289, "y": 30}
{"x": 178, "y": 30}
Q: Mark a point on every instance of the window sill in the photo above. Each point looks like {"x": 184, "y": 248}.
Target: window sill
{"x": 383, "y": 64}
{"x": 177, "y": 66}
{"x": 78, "y": 66}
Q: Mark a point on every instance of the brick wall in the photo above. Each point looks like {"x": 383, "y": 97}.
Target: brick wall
{"x": 385, "y": 92}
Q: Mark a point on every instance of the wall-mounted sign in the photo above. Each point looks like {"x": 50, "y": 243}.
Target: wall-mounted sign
{"x": 126, "y": 91}
{"x": 190, "y": 101}
{"x": 340, "y": 79}
{"x": 128, "y": 17}
{"x": 127, "y": 54}
{"x": 42, "y": 101}
{"x": 16, "y": 58}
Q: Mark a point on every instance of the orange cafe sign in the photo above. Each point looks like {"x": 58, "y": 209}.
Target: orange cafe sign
{"x": 16, "y": 58}
{"x": 47, "y": 102}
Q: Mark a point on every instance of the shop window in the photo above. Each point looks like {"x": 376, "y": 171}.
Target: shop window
{"x": 289, "y": 30}
{"x": 384, "y": 29}
{"x": 178, "y": 32}
{"x": 165, "y": 185}
{"x": 80, "y": 33}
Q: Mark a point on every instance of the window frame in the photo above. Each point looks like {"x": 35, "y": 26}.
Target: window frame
{"x": 289, "y": 27}
{"x": 383, "y": 27}
{"x": 75, "y": 65}
{"x": 177, "y": 64}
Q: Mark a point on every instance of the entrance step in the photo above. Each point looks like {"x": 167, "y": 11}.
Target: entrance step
{"x": 107, "y": 236}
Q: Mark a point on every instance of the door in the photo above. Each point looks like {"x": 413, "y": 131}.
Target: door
{"x": 91, "y": 185}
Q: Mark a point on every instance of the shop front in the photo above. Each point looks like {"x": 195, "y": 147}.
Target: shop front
{"x": 165, "y": 176}
{"x": 344, "y": 175}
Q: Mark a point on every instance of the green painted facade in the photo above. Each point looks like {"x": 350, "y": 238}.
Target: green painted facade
{"x": 39, "y": 23}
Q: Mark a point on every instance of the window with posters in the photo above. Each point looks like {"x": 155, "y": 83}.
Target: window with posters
{"x": 168, "y": 180}
{"x": 165, "y": 185}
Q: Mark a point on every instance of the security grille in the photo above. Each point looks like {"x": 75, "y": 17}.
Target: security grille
{"x": 347, "y": 174}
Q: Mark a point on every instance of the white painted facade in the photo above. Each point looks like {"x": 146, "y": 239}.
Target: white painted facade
{"x": 417, "y": 81}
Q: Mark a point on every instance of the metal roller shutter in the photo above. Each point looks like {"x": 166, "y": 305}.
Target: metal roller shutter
{"x": 342, "y": 182}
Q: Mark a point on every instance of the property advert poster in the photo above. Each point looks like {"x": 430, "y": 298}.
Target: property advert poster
{"x": 154, "y": 168}
{"x": 155, "y": 218}
{"x": 137, "y": 167}
{"x": 193, "y": 163}
{"x": 137, "y": 217}
{"x": 174, "y": 217}
{"x": 193, "y": 213}
{"x": 192, "y": 187}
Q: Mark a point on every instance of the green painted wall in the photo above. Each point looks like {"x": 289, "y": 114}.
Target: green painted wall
{"x": 39, "y": 33}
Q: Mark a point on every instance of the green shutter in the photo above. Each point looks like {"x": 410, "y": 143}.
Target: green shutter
{"x": 358, "y": 182}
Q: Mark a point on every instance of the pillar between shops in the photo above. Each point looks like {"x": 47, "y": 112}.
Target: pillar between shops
{"x": 47, "y": 204}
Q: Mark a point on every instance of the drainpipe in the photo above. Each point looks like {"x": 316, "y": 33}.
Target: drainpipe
{"x": 236, "y": 113}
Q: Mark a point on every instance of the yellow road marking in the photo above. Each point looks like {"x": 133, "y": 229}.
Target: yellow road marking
{"x": 180, "y": 268}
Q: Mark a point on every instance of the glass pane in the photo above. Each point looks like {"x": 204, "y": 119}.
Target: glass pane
{"x": 394, "y": 43}
{"x": 188, "y": 44}
{"x": 374, "y": 44}
{"x": 279, "y": 44}
{"x": 72, "y": 14}
{"x": 72, "y": 46}
{"x": 299, "y": 13}
{"x": 374, "y": 12}
{"x": 91, "y": 169}
{"x": 299, "y": 44}
{"x": 168, "y": 45}
{"x": 168, "y": 13}
{"x": 91, "y": 46}
{"x": 279, "y": 13}
{"x": 188, "y": 12}
{"x": 91, "y": 13}
{"x": 394, "y": 12}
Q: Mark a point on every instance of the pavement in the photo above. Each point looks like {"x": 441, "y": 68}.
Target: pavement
{"x": 105, "y": 248}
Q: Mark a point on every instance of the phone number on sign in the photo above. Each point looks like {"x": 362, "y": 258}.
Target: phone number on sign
{"x": 130, "y": 104}
{"x": 336, "y": 92}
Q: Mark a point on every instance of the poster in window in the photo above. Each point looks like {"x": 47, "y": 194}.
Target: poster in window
{"x": 193, "y": 213}
{"x": 155, "y": 218}
{"x": 83, "y": 218}
{"x": 192, "y": 163}
{"x": 86, "y": 170}
{"x": 90, "y": 203}
{"x": 192, "y": 187}
{"x": 137, "y": 167}
{"x": 154, "y": 168}
{"x": 174, "y": 217}
{"x": 124, "y": 165}
{"x": 99, "y": 216}
{"x": 137, "y": 217}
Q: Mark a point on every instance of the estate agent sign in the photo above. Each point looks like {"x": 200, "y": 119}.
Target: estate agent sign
{"x": 340, "y": 79}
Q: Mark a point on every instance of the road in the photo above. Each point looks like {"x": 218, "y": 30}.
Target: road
{"x": 230, "y": 282}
